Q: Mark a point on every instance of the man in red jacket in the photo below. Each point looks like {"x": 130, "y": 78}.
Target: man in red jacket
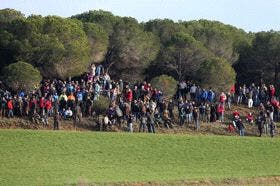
{"x": 10, "y": 107}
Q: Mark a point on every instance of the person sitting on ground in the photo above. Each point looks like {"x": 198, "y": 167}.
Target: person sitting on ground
{"x": 235, "y": 113}
{"x": 68, "y": 113}
{"x": 105, "y": 123}
{"x": 250, "y": 118}
{"x": 231, "y": 128}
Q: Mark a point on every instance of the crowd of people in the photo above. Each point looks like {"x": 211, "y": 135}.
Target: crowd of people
{"x": 139, "y": 104}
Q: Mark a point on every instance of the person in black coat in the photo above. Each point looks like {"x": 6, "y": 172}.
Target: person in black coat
{"x": 260, "y": 123}
{"x": 240, "y": 126}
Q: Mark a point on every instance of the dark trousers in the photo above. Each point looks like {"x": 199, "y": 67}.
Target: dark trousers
{"x": 56, "y": 125}
{"x": 260, "y": 131}
{"x": 151, "y": 128}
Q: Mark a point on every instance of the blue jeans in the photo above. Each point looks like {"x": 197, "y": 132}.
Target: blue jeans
{"x": 189, "y": 118}
{"x": 152, "y": 128}
{"x": 182, "y": 119}
{"x": 10, "y": 113}
{"x": 197, "y": 124}
{"x": 241, "y": 132}
{"x": 142, "y": 127}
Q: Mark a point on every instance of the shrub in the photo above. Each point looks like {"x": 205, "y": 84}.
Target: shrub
{"x": 101, "y": 105}
{"x": 216, "y": 73}
{"x": 166, "y": 84}
{"x": 21, "y": 76}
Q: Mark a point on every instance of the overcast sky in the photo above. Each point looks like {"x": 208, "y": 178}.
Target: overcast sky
{"x": 250, "y": 15}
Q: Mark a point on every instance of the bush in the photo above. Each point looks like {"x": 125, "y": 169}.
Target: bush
{"x": 216, "y": 73}
{"x": 166, "y": 84}
{"x": 21, "y": 76}
{"x": 101, "y": 105}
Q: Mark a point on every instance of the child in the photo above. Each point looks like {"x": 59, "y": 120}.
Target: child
{"x": 231, "y": 128}
{"x": 250, "y": 118}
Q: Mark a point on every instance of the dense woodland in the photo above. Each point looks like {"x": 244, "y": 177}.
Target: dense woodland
{"x": 209, "y": 52}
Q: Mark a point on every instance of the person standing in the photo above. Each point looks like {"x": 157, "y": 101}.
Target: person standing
{"x": 78, "y": 115}
{"x": 56, "y": 121}
{"x": 221, "y": 111}
{"x": 10, "y": 107}
{"x": 272, "y": 129}
{"x": 130, "y": 123}
{"x": 240, "y": 127}
{"x": 3, "y": 104}
{"x": 270, "y": 111}
{"x": 170, "y": 108}
{"x": 151, "y": 122}
{"x": 196, "y": 118}
{"x": 207, "y": 112}
{"x": 229, "y": 100}
{"x": 260, "y": 123}
{"x": 143, "y": 123}
{"x": 250, "y": 99}
{"x": 182, "y": 114}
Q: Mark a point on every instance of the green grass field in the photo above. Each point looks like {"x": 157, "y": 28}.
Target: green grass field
{"x": 58, "y": 158}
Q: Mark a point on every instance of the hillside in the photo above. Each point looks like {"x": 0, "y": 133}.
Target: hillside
{"x": 58, "y": 158}
{"x": 90, "y": 124}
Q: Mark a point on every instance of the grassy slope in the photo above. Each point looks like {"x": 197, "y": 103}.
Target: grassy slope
{"x": 47, "y": 157}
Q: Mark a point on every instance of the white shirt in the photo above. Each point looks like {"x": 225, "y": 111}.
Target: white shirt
{"x": 183, "y": 85}
{"x": 68, "y": 113}
{"x": 193, "y": 89}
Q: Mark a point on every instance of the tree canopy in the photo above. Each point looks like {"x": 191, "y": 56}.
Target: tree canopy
{"x": 131, "y": 50}
{"x": 181, "y": 57}
{"x": 62, "y": 47}
{"x": 216, "y": 73}
{"x": 165, "y": 83}
{"x": 21, "y": 76}
{"x": 260, "y": 62}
